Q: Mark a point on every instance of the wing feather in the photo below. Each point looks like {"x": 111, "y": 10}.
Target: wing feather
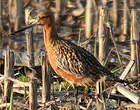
{"x": 76, "y": 60}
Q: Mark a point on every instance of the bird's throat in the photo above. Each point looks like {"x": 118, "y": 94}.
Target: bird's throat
{"x": 49, "y": 34}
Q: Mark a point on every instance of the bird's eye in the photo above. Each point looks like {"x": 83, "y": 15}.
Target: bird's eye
{"x": 44, "y": 17}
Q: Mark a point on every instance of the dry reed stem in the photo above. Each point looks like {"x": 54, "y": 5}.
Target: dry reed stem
{"x": 89, "y": 104}
{"x": 4, "y": 105}
{"x": 125, "y": 17}
{"x": 89, "y": 19}
{"x": 29, "y": 39}
{"x": 133, "y": 3}
{"x": 46, "y": 85}
{"x": 19, "y": 18}
{"x": 125, "y": 72}
{"x": 8, "y": 72}
{"x": 33, "y": 94}
{"x": 134, "y": 43}
{"x": 127, "y": 93}
{"x": 133, "y": 34}
{"x": 20, "y": 90}
{"x": 115, "y": 13}
{"x": 15, "y": 104}
{"x": 127, "y": 69}
{"x": 26, "y": 84}
{"x": 115, "y": 45}
{"x": 136, "y": 106}
{"x": 100, "y": 101}
{"x": 11, "y": 13}
{"x": 82, "y": 108}
{"x": 1, "y": 15}
{"x": 101, "y": 34}
{"x": 95, "y": 17}
{"x": 59, "y": 7}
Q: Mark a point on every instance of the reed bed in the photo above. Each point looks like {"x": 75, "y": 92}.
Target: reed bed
{"x": 109, "y": 29}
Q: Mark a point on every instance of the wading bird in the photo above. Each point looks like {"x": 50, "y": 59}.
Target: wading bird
{"x": 73, "y": 63}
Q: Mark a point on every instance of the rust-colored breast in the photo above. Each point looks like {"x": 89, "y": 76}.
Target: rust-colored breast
{"x": 67, "y": 76}
{"x": 71, "y": 62}
{"x": 72, "y": 78}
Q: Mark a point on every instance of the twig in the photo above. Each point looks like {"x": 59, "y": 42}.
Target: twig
{"x": 137, "y": 106}
{"x": 4, "y": 105}
{"x": 82, "y": 108}
{"x": 26, "y": 84}
{"x": 115, "y": 45}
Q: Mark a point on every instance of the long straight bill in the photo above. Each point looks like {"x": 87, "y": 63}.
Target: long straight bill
{"x": 24, "y": 28}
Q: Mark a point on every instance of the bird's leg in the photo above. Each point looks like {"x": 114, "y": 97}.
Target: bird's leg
{"x": 76, "y": 91}
{"x": 76, "y": 94}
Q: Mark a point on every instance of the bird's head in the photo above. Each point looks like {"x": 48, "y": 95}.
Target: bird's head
{"x": 45, "y": 18}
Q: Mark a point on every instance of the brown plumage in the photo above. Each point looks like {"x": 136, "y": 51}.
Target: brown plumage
{"x": 71, "y": 62}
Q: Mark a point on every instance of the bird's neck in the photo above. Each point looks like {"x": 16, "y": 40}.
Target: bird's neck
{"x": 50, "y": 34}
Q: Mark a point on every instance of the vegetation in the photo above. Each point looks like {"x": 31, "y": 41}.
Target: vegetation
{"x": 109, "y": 29}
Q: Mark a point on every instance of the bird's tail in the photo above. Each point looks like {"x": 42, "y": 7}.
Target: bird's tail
{"x": 112, "y": 77}
{"x": 126, "y": 81}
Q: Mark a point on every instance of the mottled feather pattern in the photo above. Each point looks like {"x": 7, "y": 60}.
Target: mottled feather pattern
{"x": 75, "y": 60}
{"x": 71, "y": 62}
